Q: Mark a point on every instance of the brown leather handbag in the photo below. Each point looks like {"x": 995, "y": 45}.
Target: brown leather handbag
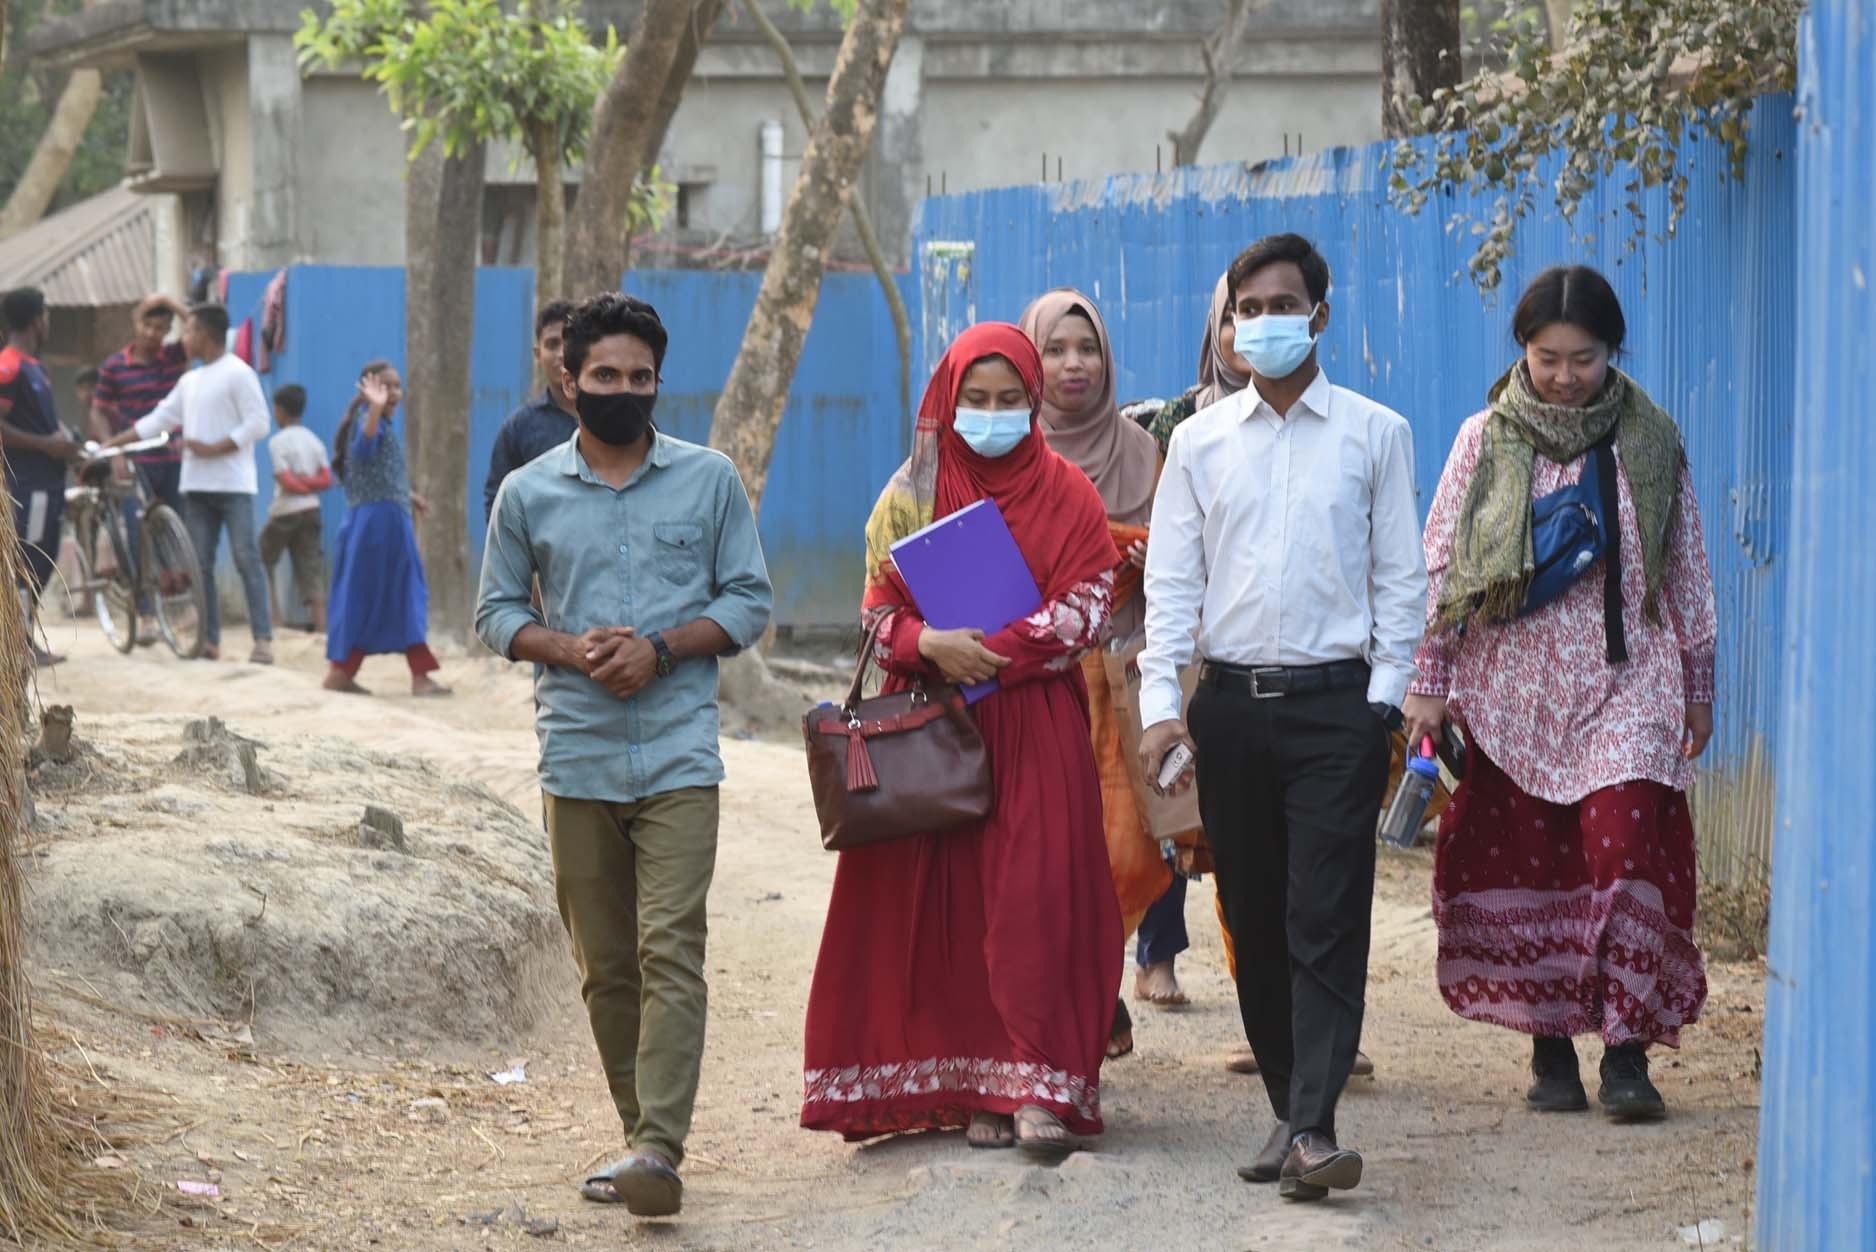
{"x": 908, "y": 763}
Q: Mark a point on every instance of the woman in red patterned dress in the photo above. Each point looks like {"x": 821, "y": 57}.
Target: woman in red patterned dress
{"x": 1564, "y": 874}
{"x": 966, "y": 977}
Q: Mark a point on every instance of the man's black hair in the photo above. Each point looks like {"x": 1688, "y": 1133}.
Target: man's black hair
{"x": 211, "y": 317}
{"x": 613, "y": 313}
{"x": 1274, "y": 250}
{"x": 290, "y": 398}
{"x": 22, "y": 307}
{"x": 554, "y": 313}
{"x": 86, "y": 376}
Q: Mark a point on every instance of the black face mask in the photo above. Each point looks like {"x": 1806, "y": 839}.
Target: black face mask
{"x": 618, "y": 418}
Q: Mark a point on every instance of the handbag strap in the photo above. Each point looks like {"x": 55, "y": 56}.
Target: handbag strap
{"x": 863, "y": 661}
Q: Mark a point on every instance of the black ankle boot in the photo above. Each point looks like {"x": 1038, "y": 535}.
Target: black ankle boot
{"x": 1627, "y": 1095}
{"x": 1559, "y": 1088}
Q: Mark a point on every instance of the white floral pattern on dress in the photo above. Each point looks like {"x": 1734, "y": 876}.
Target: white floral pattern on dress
{"x": 1076, "y": 621}
{"x": 1026, "y": 1081}
{"x": 1538, "y": 693}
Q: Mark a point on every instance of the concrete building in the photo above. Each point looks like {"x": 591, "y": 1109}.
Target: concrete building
{"x": 267, "y": 168}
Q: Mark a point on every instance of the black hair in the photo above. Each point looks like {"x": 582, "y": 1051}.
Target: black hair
{"x": 612, "y": 313}
{"x": 343, "y": 436}
{"x": 1575, "y": 294}
{"x": 290, "y": 398}
{"x": 212, "y": 318}
{"x": 553, "y": 313}
{"x": 22, "y": 307}
{"x": 87, "y": 376}
{"x": 1274, "y": 250}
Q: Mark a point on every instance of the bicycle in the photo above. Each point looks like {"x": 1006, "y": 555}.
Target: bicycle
{"x": 166, "y": 576}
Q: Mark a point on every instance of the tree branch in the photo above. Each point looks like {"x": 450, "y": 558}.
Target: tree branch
{"x": 1219, "y": 51}
{"x": 862, "y": 220}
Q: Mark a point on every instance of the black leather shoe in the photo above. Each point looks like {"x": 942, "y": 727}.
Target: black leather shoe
{"x": 1627, "y": 1095}
{"x": 1269, "y": 1163}
{"x": 1559, "y": 1087}
{"x": 1316, "y": 1166}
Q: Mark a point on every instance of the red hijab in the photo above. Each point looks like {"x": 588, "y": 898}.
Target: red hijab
{"x": 1054, "y": 512}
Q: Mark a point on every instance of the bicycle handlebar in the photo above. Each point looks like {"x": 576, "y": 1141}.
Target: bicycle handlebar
{"x": 95, "y": 451}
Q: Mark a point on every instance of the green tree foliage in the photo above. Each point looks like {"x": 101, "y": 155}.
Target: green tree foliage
{"x": 466, "y": 70}
{"x": 29, "y": 93}
{"x": 1637, "y": 81}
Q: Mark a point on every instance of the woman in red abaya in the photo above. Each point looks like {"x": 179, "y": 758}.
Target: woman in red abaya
{"x": 966, "y": 977}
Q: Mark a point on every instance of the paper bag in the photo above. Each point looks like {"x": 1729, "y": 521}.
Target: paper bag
{"x": 1167, "y": 817}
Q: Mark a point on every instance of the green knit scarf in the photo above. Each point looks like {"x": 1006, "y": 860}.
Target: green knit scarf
{"x": 1492, "y": 561}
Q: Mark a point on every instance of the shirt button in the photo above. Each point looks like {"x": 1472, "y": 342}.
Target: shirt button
{"x": 623, "y": 551}
{"x": 633, "y": 749}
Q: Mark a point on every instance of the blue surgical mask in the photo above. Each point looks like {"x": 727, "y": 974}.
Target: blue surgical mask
{"x": 1276, "y": 344}
{"x": 993, "y": 432}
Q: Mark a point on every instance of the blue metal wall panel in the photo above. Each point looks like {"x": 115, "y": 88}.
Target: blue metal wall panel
{"x": 1817, "y": 1149}
{"x": 1710, "y": 337}
{"x": 842, "y": 433}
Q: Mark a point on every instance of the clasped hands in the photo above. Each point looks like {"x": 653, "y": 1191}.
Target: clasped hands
{"x": 617, "y": 658}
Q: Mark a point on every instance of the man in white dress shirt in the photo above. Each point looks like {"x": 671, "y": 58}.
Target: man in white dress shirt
{"x": 1285, "y": 540}
{"x": 222, "y": 414}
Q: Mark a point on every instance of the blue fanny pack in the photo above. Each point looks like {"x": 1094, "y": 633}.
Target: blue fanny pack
{"x": 1570, "y": 528}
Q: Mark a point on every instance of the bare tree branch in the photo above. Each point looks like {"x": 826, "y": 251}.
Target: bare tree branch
{"x": 1219, "y": 52}
{"x": 856, "y": 205}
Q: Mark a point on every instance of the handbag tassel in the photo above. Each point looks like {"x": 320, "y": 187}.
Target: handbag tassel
{"x": 861, "y": 776}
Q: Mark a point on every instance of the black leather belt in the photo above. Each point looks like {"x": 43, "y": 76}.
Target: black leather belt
{"x": 1267, "y": 682}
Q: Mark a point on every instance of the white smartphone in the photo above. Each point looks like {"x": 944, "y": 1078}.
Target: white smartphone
{"x": 1174, "y": 765}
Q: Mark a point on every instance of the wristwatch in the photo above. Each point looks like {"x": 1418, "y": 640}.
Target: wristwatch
{"x": 1389, "y": 715}
{"x": 666, "y": 660}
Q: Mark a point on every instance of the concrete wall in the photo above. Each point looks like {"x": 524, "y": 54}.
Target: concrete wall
{"x": 351, "y": 174}
{"x": 224, "y": 78}
{"x": 980, "y": 92}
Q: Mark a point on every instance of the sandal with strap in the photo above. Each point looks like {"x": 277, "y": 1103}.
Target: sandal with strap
{"x": 1044, "y": 1147}
{"x": 644, "y": 1182}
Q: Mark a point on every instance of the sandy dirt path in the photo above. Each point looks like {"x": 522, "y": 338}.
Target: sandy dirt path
{"x": 316, "y": 1144}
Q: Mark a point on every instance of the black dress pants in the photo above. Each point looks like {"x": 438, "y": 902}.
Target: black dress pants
{"x": 1290, "y": 789}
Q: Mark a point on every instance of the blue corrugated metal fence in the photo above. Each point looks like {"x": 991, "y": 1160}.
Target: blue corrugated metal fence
{"x": 841, "y": 435}
{"x": 1817, "y": 1152}
{"x": 1710, "y": 337}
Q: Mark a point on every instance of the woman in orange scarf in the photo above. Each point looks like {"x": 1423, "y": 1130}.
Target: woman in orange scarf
{"x": 1083, "y": 424}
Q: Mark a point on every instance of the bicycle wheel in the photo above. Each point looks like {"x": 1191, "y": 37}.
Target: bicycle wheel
{"x": 173, "y": 580}
{"x": 115, "y": 601}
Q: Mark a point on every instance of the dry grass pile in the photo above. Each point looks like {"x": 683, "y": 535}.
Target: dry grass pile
{"x": 52, "y": 1121}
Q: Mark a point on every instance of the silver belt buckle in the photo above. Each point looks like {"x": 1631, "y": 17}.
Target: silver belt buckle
{"x": 1257, "y": 689}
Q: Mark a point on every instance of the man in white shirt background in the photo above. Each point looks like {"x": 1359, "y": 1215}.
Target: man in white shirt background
{"x": 1286, "y": 541}
{"x": 222, "y": 413}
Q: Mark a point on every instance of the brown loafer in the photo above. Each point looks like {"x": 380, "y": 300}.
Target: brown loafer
{"x": 1316, "y": 1166}
{"x": 1268, "y": 1166}
{"x": 1364, "y": 1067}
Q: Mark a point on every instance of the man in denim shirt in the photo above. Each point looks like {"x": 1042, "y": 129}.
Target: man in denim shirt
{"x": 649, "y": 568}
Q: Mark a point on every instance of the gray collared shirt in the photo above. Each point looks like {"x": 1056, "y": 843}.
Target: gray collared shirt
{"x": 676, "y": 543}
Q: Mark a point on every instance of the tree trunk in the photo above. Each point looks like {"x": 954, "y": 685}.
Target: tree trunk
{"x": 629, "y": 119}
{"x": 1419, "y": 54}
{"x": 550, "y": 216}
{"x": 856, "y": 205}
{"x": 1557, "y": 13}
{"x": 1220, "y": 53}
{"x": 63, "y": 133}
{"x": 443, "y": 243}
{"x": 28, "y": 1162}
{"x": 750, "y": 409}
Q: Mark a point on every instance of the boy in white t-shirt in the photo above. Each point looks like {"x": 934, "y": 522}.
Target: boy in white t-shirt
{"x": 301, "y": 471}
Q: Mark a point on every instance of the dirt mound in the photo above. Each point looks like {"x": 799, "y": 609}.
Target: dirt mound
{"x": 207, "y": 873}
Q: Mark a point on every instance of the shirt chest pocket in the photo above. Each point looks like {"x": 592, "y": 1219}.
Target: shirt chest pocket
{"x": 680, "y": 550}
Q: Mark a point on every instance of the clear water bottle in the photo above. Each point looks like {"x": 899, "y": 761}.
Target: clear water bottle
{"x": 1401, "y": 825}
